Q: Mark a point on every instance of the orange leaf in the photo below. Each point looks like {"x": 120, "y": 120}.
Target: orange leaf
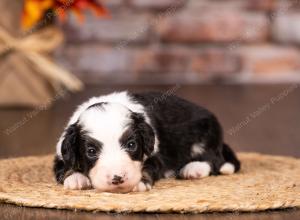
{"x": 34, "y": 10}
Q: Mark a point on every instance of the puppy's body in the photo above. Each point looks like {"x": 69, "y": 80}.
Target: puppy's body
{"x": 125, "y": 142}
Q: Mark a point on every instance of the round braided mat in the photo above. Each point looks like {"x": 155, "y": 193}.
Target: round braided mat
{"x": 264, "y": 182}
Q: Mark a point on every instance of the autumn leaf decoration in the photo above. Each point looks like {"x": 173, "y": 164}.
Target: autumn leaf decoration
{"x": 34, "y": 11}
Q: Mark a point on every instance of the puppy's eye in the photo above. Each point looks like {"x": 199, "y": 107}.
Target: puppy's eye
{"x": 91, "y": 152}
{"x": 131, "y": 145}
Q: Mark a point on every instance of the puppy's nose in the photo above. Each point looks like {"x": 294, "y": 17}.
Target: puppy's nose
{"x": 117, "y": 180}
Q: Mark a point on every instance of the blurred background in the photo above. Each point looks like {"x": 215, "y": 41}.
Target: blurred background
{"x": 186, "y": 41}
{"x": 238, "y": 58}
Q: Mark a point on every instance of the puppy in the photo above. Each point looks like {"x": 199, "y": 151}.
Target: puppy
{"x": 125, "y": 142}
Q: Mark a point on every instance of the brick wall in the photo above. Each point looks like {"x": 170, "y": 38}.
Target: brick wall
{"x": 187, "y": 41}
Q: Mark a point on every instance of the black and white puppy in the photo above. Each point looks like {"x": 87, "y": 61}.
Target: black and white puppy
{"x": 124, "y": 142}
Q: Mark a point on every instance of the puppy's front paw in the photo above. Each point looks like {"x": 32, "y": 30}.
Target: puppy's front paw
{"x": 77, "y": 181}
{"x": 142, "y": 187}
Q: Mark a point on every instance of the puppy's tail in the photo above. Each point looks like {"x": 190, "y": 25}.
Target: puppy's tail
{"x": 232, "y": 163}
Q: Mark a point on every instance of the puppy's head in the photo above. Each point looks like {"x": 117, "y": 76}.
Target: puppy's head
{"x": 108, "y": 144}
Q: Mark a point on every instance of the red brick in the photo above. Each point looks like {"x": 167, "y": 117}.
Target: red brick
{"x": 265, "y": 5}
{"x": 162, "y": 60}
{"x": 120, "y": 27}
{"x": 211, "y": 61}
{"x": 198, "y": 6}
{"x": 111, "y": 3}
{"x": 106, "y": 60}
{"x": 203, "y": 40}
{"x": 286, "y": 28}
{"x": 270, "y": 61}
{"x": 216, "y": 62}
{"x": 157, "y": 4}
{"x": 96, "y": 58}
{"x": 214, "y": 26}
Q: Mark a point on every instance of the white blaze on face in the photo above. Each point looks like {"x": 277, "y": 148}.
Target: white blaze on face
{"x": 107, "y": 124}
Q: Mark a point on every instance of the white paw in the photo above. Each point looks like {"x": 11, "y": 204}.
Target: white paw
{"x": 227, "y": 169}
{"x": 142, "y": 187}
{"x": 77, "y": 181}
{"x": 195, "y": 170}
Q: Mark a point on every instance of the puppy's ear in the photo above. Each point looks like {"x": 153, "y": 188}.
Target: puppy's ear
{"x": 70, "y": 146}
{"x": 148, "y": 138}
{"x": 147, "y": 133}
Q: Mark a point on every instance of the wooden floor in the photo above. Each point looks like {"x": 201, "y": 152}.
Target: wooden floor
{"x": 256, "y": 118}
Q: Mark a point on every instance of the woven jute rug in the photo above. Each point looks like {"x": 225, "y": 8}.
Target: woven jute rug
{"x": 264, "y": 182}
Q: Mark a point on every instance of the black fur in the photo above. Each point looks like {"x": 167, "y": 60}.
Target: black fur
{"x": 178, "y": 125}
{"x": 145, "y": 131}
{"x": 75, "y": 155}
{"x": 142, "y": 134}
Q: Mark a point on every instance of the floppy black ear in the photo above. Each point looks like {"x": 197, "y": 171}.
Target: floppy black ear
{"x": 148, "y": 138}
{"x": 146, "y": 131}
{"x": 70, "y": 146}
